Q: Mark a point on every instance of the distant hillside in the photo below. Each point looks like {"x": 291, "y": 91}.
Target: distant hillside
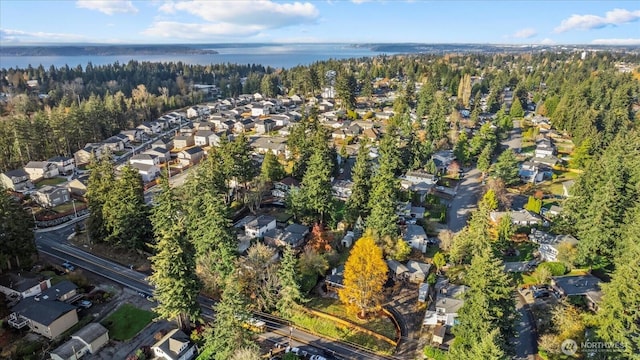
{"x": 101, "y": 50}
{"x": 484, "y": 48}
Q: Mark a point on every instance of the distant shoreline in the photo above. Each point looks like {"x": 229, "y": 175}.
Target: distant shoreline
{"x": 102, "y": 50}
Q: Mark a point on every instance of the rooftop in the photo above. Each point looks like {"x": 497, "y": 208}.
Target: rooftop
{"x": 43, "y": 312}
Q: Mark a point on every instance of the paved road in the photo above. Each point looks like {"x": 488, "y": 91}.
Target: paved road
{"x": 466, "y": 199}
{"x": 514, "y": 141}
{"x": 525, "y": 344}
{"x": 53, "y": 242}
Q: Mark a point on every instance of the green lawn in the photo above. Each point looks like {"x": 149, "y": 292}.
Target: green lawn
{"x": 383, "y": 325}
{"x": 67, "y": 207}
{"x": 52, "y": 181}
{"x": 520, "y": 279}
{"x": 127, "y": 321}
{"x": 52, "y": 275}
{"x": 525, "y": 252}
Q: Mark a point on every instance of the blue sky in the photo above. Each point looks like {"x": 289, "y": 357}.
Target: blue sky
{"x": 357, "y": 21}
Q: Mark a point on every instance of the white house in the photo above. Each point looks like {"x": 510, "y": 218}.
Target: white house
{"x": 41, "y": 170}
{"x": 416, "y": 237}
{"x": 144, "y": 158}
{"x": 15, "y": 180}
{"x": 89, "y": 339}
{"x": 147, "y": 172}
{"x": 175, "y": 345}
{"x": 65, "y": 164}
{"x": 257, "y": 227}
{"x": 22, "y": 285}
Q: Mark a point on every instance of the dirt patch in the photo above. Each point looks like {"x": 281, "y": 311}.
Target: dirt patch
{"x": 139, "y": 261}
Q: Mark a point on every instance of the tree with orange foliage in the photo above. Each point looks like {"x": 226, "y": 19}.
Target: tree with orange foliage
{"x": 365, "y": 273}
{"x": 320, "y": 240}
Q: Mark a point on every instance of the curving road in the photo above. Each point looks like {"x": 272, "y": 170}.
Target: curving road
{"x": 53, "y": 242}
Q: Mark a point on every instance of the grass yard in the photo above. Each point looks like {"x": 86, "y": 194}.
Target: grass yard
{"x": 55, "y": 279}
{"x": 50, "y": 182}
{"x": 522, "y": 279}
{"x": 525, "y": 252}
{"x": 382, "y": 325}
{"x": 127, "y": 321}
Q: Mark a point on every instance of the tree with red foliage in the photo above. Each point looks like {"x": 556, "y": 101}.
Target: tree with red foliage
{"x": 320, "y": 240}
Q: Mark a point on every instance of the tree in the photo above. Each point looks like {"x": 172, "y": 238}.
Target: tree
{"x": 259, "y": 277}
{"x": 16, "y": 233}
{"x": 484, "y": 159}
{"x": 246, "y": 353}
{"x": 99, "y": 187}
{"x": 345, "y": 90}
{"x": 504, "y": 232}
{"x": 489, "y": 201}
{"x": 534, "y": 205}
{"x": 398, "y": 248}
{"x": 439, "y": 261}
{"x": 176, "y": 286}
{"x": 125, "y": 213}
{"x": 320, "y": 239}
{"x": 357, "y": 204}
{"x": 567, "y": 254}
{"x": 454, "y": 169}
{"x": 271, "y": 169}
{"x": 542, "y": 274}
{"x": 290, "y": 295}
{"x": 365, "y": 273}
{"x": 228, "y": 333}
{"x": 383, "y": 218}
{"x": 516, "y": 110}
{"x": 315, "y": 189}
{"x": 506, "y": 167}
{"x": 497, "y": 185}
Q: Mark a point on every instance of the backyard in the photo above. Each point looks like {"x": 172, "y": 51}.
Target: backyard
{"x": 50, "y": 182}
{"x": 127, "y": 321}
{"x": 522, "y": 251}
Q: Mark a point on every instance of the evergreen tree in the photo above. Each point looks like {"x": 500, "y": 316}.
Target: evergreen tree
{"x": 382, "y": 202}
{"x": 17, "y": 245}
{"x": 176, "y": 286}
{"x": 484, "y": 159}
{"x": 504, "y": 232}
{"x": 461, "y": 150}
{"x": 516, "y": 110}
{"x": 290, "y": 295}
{"x": 346, "y": 90}
{"x": 489, "y": 201}
{"x": 357, "y": 204}
{"x": 99, "y": 187}
{"x": 271, "y": 169}
{"x": 365, "y": 273}
{"x": 506, "y": 168}
{"x": 316, "y": 192}
{"x": 125, "y": 213}
{"x": 228, "y": 333}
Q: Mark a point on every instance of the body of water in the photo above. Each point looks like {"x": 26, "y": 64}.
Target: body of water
{"x": 274, "y": 55}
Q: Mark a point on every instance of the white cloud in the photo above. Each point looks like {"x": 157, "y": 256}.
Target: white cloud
{"x": 231, "y": 18}
{"x": 547, "y": 41}
{"x": 108, "y": 7}
{"x": 586, "y": 22}
{"x": 12, "y": 35}
{"x": 629, "y": 41}
{"x": 525, "y": 33}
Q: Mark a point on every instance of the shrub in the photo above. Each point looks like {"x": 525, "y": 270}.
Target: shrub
{"x": 556, "y": 268}
{"x": 434, "y": 353}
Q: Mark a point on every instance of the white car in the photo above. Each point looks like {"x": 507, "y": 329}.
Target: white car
{"x": 317, "y": 357}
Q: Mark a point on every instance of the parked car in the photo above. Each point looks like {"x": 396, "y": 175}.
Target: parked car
{"x": 317, "y": 357}
{"x": 68, "y": 266}
{"x": 85, "y": 304}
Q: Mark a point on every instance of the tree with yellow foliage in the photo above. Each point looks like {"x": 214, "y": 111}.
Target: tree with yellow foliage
{"x": 365, "y": 273}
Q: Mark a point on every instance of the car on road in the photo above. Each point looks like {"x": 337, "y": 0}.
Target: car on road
{"x": 85, "y": 304}
{"x": 317, "y": 357}
{"x": 68, "y": 266}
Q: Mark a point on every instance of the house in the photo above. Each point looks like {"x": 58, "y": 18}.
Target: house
{"x": 275, "y": 145}
{"x": 342, "y": 189}
{"x": 163, "y": 144}
{"x": 51, "y": 196}
{"x": 66, "y": 165}
{"x": 423, "y": 292}
{"x": 554, "y": 210}
{"x": 335, "y": 281}
{"x": 521, "y": 217}
{"x": 198, "y": 111}
{"x": 175, "y": 345}
{"x": 161, "y": 154}
{"x": 371, "y": 134}
{"x": 544, "y": 148}
{"x": 215, "y": 138}
{"x": 447, "y": 310}
{"x": 418, "y": 177}
{"x": 280, "y": 119}
{"x": 418, "y": 271}
{"x": 282, "y": 188}
{"x": 41, "y": 170}
{"x": 202, "y": 137}
{"x": 90, "y": 150}
{"x": 244, "y": 125}
{"x": 150, "y": 127}
{"x": 293, "y": 235}
{"x": 259, "y": 226}
{"x": 529, "y": 172}
{"x": 22, "y": 285}
{"x": 147, "y": 172}
{"x": 566, "y": 187}
{"x": 113, "y": 143}
{"x": 416, "y": 237}
{"x": 48, "y": 318}
{"x": 264, "y": 126}
{"x": 226, "y": 125}
{"x": 133, "y": 134}
{"x": 439, "y": 332}
{"x": 258, "y": 109}
{"x": 144, "y": 158}
{"x": 186, "y": 130}
{"x": 587, "y": 286}
{"x": 443, "y": 159}
{"x": 64, "y": 291}
{"x": 191, "y": 156}
{"x": 183, "y": 141}
{"x": 90, "y": 339}
{"x": 16, "y": 180}
{"x": 397, "y": 270}
{"x": 550, "y": 244}
{"x": 77, "y": 187}
{"x": 347, "y": 240}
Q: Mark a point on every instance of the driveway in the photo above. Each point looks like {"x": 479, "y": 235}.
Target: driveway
{"x": 468, "y": 194}
{"x": 514, "y": 141}
{"x": 525, "y": 343}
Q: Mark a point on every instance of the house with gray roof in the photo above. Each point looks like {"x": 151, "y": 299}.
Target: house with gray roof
{"x": 587, "y": 286}
{"x": 41, "y": 170}
{"x": 16, "y": 180}
{"x": 175, "y": 345}
{"x": 49, "y": 318}
{"x": 50, "y": 196}
{"x": 65, "y": 164}
{"x": 257, "y": 227}
{"x": 88, "y": 340}
{"x": 22, "y": 285}
{"x": 416, "y": 237}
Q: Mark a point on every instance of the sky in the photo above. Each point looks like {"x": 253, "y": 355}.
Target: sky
{"x": 340, "y": 21}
